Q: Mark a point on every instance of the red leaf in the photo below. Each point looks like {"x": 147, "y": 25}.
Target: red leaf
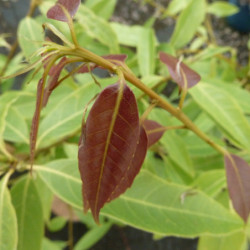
{"x": 108, "y": 144}
{"x": 133, "y": 168}
{"x": 238, "y": 181}
{"x": 56, "y": 12}
{"x": 54, "y": 73}
{"x": 35, "y": 120}
{"x": 180, "y": 72}
{"x": 152, "y": 133}
{"x": 87, "y": 68}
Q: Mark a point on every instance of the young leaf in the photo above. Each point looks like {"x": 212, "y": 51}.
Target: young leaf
{"x": 180, "y": 72}
{"x": 133, "y": 168}
{"x": 35, "y": 120}
{"x": 152, "y": 130}
{"x": 57, "y": 13}
{"x": 238, "y": 175}
{"x": 109, "y": 143}
{"x": 55, "y": 72}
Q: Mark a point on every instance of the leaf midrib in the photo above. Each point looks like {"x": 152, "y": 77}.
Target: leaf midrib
{"x": 110, "y": 132}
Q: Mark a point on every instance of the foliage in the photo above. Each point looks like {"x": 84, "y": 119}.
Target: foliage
{"x": 117, "y": 145}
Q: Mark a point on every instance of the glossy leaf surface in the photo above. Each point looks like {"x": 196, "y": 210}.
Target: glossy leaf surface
{"x": 179, "y": 71}
{"x": 152, "y": 130}
{"x": 57, "y": 13}
{"x": 238, "y": 176}
{"x": 108, "y": 144}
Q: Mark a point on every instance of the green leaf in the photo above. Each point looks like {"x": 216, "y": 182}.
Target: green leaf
{"x": 29, "y": 212}
{"x": 178, "y": 152}
{"x": 207, "y": 163}
{"x": 98, "y": 28}
{"x": 211, "y": 182}
{"x": 46, "y": 197}
{"x": 13, "y": 132}
{"x": 71, "y": 150}
{"x": 25, "y": 104}
{"x": 197, "y": 147}
{"x": 174, "y": 173}
{"x": 146, "y": 51}
{"x": 8, "y": 225}
{"x": 176, "y": 6}
{"x": 127, "y": 35}
{"x": 225, "y": 111}
{"x": 56, "y": 224}
{"x": 65, "y": 117}
{"x": 102, "y": 8}
{"x": 6, "y": 101}
{"x": 222, "y": 9}
{"x": 52, "y": 245}
{"x": 188, "y": 23}
{"x": 241, "y": 95}
{"x": 151, "y": 204}
{"x": 65, "y": 172}
{"x": 92, "y": 237}
{"x": 233, "y": 241}
{"x": 161, "y": 209}
{"x": 211, "y": 51}
{"x": 150, "y": 81}
{"x": 30, "y": 32}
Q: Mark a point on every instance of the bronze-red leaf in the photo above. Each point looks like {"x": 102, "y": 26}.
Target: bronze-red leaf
{"x": 134, "y": 167}
{"x": 57, "y": 13}
{"x": 110, "y": 140}
{"x": 154, "y": 131}
{"x": 180, "y": 72}
{"x": 238, "y": 181}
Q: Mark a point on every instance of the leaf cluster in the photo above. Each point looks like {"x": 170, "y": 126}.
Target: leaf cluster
{"x": 175, "y": 164}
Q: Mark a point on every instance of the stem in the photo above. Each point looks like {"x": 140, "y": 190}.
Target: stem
{"x": 176, "y": 112}
{"x": 70, "y": 230}
{"x": 209, "y": 26}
